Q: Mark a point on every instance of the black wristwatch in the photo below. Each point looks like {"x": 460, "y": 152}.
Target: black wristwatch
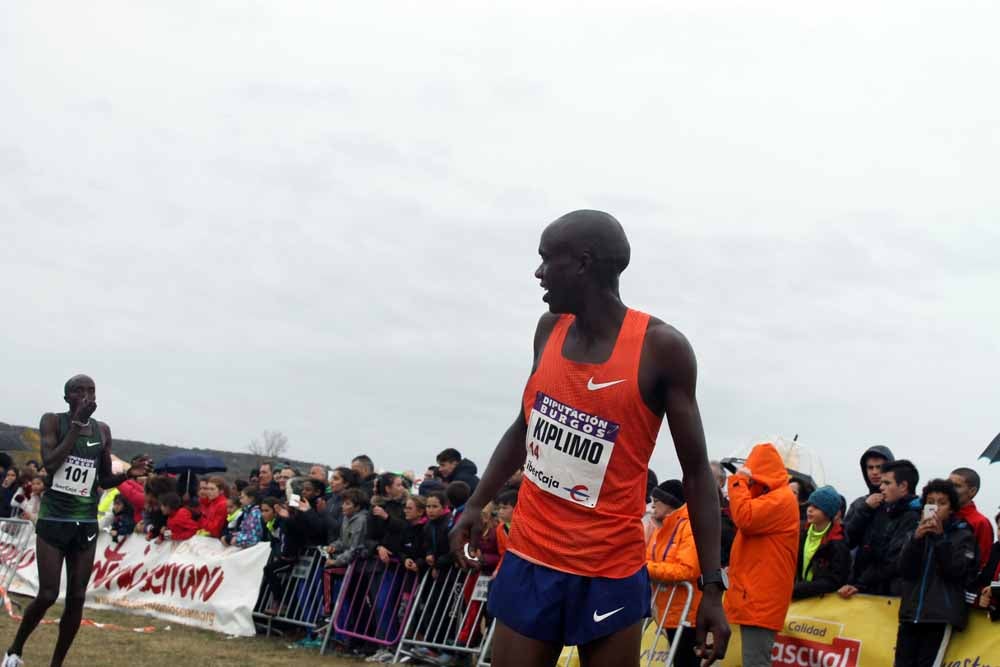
{"x": 717, "y": 577}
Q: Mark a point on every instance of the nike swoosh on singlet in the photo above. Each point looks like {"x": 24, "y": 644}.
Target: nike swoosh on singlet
{"x": 594, "y": 386}
{"x": 93, "y": 444}
{"x": 91, "y": 539}
{"x": 600, "y": 617}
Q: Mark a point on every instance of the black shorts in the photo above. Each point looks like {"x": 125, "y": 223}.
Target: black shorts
{"x": 67, "y": 536}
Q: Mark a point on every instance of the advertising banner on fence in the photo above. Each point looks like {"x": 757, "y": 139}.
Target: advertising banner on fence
{"x": 860, "y": 632}
{"x": 197, "y": 582}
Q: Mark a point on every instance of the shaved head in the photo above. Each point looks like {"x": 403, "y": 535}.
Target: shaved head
{"x": 598, "y": 235}
{"x": 75, "y": 381}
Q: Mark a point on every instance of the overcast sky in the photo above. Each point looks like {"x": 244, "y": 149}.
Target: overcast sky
{"x": 322, "y": 218}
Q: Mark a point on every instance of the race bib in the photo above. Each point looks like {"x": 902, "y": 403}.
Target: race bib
{"x": 568, "y": 450}
{"x": 76, "y": 476}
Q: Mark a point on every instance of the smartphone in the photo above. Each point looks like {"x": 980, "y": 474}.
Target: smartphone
{"x": 930, "y": 511}
{"x": 293, "y": 500}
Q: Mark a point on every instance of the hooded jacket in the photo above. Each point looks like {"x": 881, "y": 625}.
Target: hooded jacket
{"x": 671, "y": 556}
{"x": 352, "y": 538}
{"x": 936, "y": 570}
{"x": 857, "y": 503}
{"x": 762, "y": 563}
{"x": 465, "y": 471}
{"x": 830, "y": 565}
{"x": 136, "y": 495}
{"x": 885, "y": 531}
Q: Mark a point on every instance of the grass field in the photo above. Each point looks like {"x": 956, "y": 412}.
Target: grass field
{"x": 178, "y": 645}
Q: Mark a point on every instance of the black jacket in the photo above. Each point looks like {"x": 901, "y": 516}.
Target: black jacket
{"x": 388, "y": 532}
{"x": 936, "y": 571}
{"x": 857, "y": 503}
{"x": 884, "y": 531}
{"x": 435, "y": 542}
{"x": 413, "y": 542}
{"x": 465, "y": 471}
{"x": 830, "y": 565}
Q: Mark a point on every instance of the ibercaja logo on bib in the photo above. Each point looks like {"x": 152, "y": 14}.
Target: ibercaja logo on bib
{"x": 812, "y": 641}
{"x": 568, "y": 450}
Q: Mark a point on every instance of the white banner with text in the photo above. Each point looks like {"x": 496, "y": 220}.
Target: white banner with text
{"x": 197, "y": 582}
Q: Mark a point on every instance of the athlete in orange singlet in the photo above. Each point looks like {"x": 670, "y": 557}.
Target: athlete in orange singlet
{"x": 602, "y": 379}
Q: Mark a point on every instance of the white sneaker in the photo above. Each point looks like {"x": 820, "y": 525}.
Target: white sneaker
{"x": 12, "y": 660}
{"x": 382, "y": 656}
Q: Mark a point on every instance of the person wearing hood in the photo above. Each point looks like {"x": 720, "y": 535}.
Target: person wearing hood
{"x": 453, "y": 468}
{"x": 871, "y": 472}
{"x": 672, "y": 558}
{"x": 824, "y": 557}
{"x": 884, "y": 529}
{"x": 762, "y": 563}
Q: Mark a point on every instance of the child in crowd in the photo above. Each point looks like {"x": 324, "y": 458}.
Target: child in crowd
{"x": 123, "y": 523}
{"x": 824, "y": 563}
{"x": 271, "y": 523}
{"x": 436, "y": 551}
{"x": 938, "y": 563}
{"x": 340, "y": 553}
{"x": 213, "y": 506}
{"x": 248, "y": 529}
{"x": 180, "y": 524}
{"x": 153, "y": 520}
{"x": 233, "y": 512}
{"x": 416, "y": 516}
{"x": 27, "y": 502}
{"x": 505, "y": 502}
{"x": 352, "y": 529}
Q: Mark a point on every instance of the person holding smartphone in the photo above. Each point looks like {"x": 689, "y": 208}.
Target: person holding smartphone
{"x": 937, "y": 564}
{"x": 77, "y": 448}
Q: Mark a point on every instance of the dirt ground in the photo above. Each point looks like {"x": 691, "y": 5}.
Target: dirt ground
{"x": 169, "y": 644}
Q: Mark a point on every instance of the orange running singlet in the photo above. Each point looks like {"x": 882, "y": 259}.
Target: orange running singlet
{"x": 590, "y": 436}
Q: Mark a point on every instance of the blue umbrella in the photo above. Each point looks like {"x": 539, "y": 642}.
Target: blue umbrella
{"x": 188, "y": 463}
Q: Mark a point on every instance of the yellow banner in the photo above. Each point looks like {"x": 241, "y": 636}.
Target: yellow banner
{"x": 830, "y": 632}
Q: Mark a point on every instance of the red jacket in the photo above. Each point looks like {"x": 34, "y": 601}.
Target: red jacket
{"x": 981, "y": 528}
{"x": 133, "y": 492}
{"x": 765, "y": 551}
{"x": 213, "y": 515}
{"x": 182, "y": 525}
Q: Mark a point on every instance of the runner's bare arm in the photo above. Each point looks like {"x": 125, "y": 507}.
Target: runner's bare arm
{"x": 105, "y": 478}
{"x": 508, "y": 456}
{"x": 678, "y": 379}
{"x": 54, "y": 453}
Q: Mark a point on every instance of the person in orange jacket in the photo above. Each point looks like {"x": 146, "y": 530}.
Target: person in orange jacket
{"x": 671, "y": 557}
{"x": 762, "y": 563}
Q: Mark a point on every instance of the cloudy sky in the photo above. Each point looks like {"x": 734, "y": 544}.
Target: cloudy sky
{"x": 323, "y": 217}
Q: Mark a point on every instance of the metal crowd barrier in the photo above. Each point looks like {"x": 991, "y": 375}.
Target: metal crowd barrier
{"x": 15, "y": 538}
{"x": 448, "y": 616}
{"x": 373, "y": 603}
{"x": 301, "y": 602}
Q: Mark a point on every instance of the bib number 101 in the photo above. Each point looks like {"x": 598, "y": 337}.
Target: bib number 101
{"x": 74, "y": 474}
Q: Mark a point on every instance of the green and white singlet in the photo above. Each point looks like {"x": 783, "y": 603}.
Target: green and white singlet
{"x": 72, "y": 489}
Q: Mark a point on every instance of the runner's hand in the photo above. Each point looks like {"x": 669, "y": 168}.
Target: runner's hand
{"x": 466, "y": 532}
{"x": 711, "y": 619}
{"x": 84, "y": 409}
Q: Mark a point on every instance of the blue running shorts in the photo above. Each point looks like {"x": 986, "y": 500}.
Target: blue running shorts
{"x": 552, "y": 606}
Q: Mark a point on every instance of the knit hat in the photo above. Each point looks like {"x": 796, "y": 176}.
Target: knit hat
{"x": 670, "y": 492}
{"x": 826, "y": 499}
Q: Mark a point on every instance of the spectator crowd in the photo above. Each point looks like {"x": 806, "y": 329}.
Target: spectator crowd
{"x": 782, "y": 538}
